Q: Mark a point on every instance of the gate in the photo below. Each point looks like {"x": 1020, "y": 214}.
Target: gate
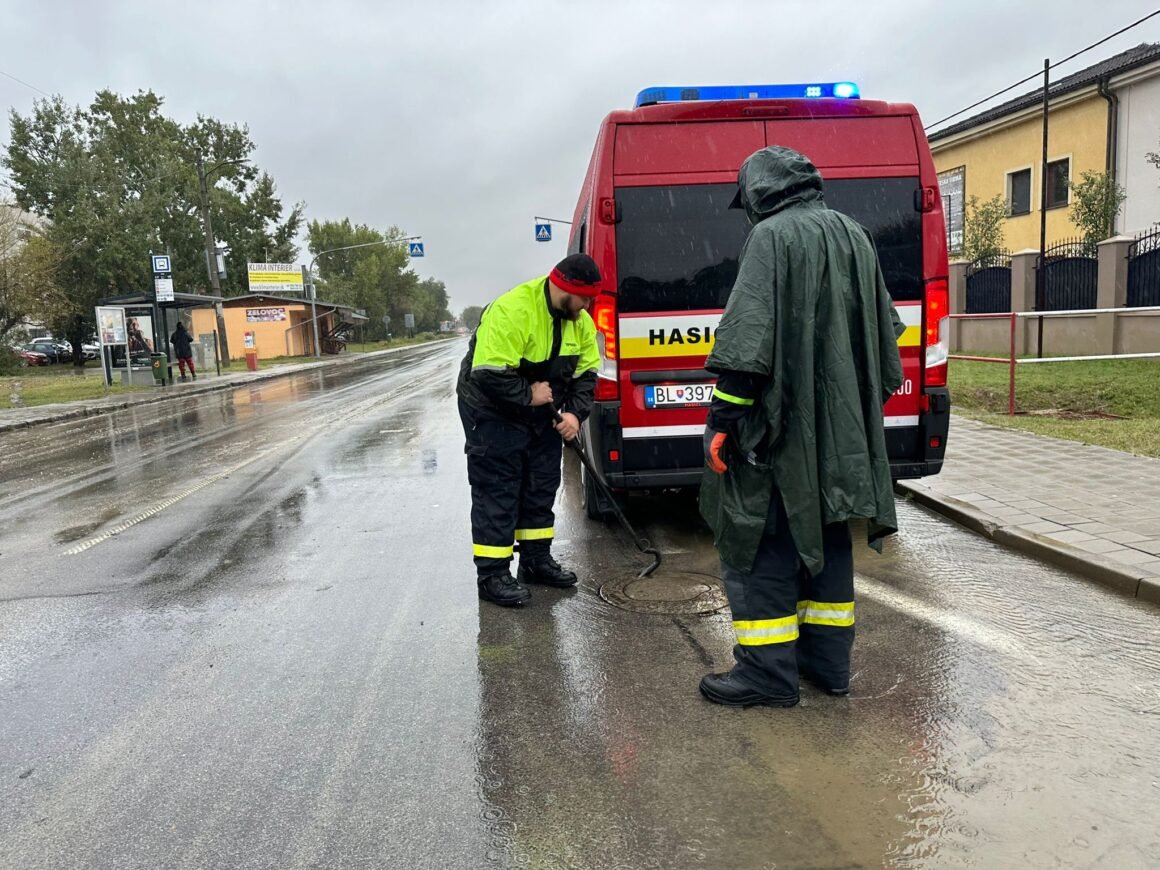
{"x": 1068, "y": 275}
{"x": 1144, "y": 270}
{"x": 989, "y": 284}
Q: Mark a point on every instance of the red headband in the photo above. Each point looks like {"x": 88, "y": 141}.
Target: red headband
{"x": 574, "y": 287}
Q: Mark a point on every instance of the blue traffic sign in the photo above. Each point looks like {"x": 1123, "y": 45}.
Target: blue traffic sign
{"x": 416, "y": 249}
{"x": 543, "y": 232}
{"x": 161, "y": 264}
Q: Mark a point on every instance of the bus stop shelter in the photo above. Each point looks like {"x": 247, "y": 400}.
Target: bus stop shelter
{"x": 154, "y": 321}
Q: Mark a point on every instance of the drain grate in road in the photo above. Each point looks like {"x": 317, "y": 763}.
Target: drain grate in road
{"x": 669, "y": 593}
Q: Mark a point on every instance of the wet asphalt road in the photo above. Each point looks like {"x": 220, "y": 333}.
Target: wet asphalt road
{"x": 240, "y": 630}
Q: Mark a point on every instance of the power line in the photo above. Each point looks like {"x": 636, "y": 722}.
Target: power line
{"x": 26, "y": 84}
{"x": 1036, "y": 75}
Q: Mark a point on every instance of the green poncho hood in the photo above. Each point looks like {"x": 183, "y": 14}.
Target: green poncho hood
{"x": 810, "y": 313}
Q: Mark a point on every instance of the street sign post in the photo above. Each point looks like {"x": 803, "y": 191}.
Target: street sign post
{"x": 162, "y": 293}
{"x": 416, "y": 249}
{"x": 543, "y": 232}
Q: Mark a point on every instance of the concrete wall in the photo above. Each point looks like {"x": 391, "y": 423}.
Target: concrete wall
{"x": 1074, "y": 335}
{"x": 1138, "y": 333}
{"x": 984, "y": 338}
{"x": 1138, "y": 132}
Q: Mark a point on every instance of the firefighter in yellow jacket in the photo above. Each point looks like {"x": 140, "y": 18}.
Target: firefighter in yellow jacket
{"x": 533, "y": 353}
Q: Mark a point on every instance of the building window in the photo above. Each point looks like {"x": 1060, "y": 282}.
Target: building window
{"x": 1019, "y": 192}
{"x": 952, "y": 187}
{"x": 1058, "y": 182}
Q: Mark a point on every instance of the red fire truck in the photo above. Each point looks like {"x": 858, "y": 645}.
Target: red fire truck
{"x": 653, "y": 212}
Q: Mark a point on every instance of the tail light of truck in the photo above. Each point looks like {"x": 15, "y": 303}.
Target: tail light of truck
{"x": 936, "y": 336}
{"x": 604, "y": 316}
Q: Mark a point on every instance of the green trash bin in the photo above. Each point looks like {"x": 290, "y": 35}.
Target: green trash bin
{"x": 160, "y": 373}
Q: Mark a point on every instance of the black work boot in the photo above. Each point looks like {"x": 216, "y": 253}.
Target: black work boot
{"x": 182, "y": 379}
{"x": 828, "y": 688}
{"x": 546, "y": 571}
{"x": 501, "y": 589}
{"x": 193, "y": 375}
{"x": 727, "y": 690}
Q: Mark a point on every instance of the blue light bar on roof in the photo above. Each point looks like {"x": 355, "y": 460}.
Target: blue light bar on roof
{"x": 810, "y": 91}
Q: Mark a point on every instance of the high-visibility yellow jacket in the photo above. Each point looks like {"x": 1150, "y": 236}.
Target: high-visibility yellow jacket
{"x": 520, "y": 340}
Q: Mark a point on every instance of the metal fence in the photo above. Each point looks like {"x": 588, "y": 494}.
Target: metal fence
{"x": 1144, "y": 270}
{"x": 989, "y": 284}
{"x": 1067, "y": 274}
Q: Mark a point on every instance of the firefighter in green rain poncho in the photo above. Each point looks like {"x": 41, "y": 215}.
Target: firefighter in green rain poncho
{"x": 806, "y": 356}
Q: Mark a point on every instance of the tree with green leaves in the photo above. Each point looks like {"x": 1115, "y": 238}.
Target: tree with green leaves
{"x": 983, "y": 228}
{"x": 28, "y": 271}
{"x": 471, "y": 316}
{"x": 1096, "y": 205}
{"x": 372, "y": 278}
{"x": 429, "y": 305}
{"x": 375, "y": 278}
{"x": 118, "y": 180}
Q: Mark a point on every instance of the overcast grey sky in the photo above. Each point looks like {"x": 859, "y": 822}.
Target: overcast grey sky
{"x": 460, "y": 121}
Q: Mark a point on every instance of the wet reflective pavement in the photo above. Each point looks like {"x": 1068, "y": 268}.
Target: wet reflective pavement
{"x": 240, "y": 630}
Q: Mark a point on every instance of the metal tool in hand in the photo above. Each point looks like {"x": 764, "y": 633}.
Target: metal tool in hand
{"x": 641, "y": 542}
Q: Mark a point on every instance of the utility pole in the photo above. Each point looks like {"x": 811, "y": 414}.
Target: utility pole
{"x": 1040, "y": 283}
{"x": 308, "y": 283}
{"x": 211, "y": 260}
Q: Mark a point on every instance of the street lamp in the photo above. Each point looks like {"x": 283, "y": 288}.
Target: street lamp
{"x": 314, "y": 295}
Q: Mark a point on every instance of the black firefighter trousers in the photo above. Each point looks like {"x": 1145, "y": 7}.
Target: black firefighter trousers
{"x": 514, "y": 472}
{"x": 789, "y": 623}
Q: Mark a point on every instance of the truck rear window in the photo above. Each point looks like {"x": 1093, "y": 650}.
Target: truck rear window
{"x": 677, "y": 246}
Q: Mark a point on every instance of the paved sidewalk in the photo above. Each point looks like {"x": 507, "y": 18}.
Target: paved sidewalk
{"x": 20, "y": 418}
{"x": 1089, "y": 509}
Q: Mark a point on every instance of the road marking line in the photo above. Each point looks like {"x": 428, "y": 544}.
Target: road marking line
{"x": 963, "y": 626}
{"x": 160, "y": 506}
{"x": 343, "y": 415}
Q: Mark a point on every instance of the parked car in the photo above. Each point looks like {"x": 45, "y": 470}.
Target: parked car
{"x": 47, "y": 349}
{"x": 91, "y": 351}
{"x": 57, "y": 351}
{"x": 30, "y": 357}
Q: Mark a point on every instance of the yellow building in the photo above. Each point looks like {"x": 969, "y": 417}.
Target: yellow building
{"x": 1000, "y": 151}
{"x": 279, "y": 325}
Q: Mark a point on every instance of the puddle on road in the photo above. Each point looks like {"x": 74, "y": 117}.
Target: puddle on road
{"x": 1003, "y": 714}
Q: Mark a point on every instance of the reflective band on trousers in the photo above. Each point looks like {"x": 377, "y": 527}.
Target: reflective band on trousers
{"x": 758, "y": 632}
{"x": 839, "y": 613}
{"x": 534, "y": 534}
{"x": 492, "y": 552}
{"x": 736, "y": 400}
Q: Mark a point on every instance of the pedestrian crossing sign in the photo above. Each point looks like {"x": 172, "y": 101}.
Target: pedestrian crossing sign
{"x": 543, "y": 232}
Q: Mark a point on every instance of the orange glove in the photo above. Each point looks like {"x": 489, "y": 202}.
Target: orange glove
{"x": 714, "y": 444}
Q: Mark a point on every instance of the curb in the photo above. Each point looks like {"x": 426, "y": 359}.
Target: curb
{"x": 1106, "y": 572}
{"x": 134, "y": 400}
